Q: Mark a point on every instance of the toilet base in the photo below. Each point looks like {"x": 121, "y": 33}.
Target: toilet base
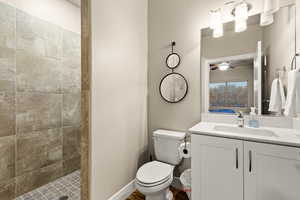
{"x": 163, "y": 195}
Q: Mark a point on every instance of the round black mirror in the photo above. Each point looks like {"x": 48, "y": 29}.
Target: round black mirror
{"x": 173, "y": 87}
{"x": 173, "y": 60}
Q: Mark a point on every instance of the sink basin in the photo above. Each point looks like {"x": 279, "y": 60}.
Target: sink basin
{"x": 250, "y": 131}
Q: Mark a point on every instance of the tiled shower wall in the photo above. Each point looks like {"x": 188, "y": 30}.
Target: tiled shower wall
{"x": 40, "y": 87}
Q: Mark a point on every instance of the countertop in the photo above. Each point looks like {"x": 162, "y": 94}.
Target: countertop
{"x": 286, "y": 137}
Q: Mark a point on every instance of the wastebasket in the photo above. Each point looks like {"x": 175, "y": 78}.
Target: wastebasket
{"x": 186, "y": 181}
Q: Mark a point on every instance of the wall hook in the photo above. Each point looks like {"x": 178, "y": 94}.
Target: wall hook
{"x": 173, "y": 43}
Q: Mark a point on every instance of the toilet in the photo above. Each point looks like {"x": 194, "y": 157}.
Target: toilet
{"x": 154, "y": 178}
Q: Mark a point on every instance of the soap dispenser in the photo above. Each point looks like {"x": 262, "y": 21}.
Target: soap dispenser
{"x": 253, "y": 119}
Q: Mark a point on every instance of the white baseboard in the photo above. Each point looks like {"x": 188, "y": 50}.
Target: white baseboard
{"x": 124, "y": 192}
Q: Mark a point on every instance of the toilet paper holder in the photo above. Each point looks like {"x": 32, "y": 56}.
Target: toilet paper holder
{"x": 185, "y": 150}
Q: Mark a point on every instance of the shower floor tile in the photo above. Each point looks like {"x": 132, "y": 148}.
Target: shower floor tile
{"x": 68, "y": 185}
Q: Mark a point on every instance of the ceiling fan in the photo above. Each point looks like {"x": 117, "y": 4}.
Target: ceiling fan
{"x": 223, "y": 66}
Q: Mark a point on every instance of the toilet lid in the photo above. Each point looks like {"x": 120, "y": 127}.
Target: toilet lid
{"x": 154, "y": 172}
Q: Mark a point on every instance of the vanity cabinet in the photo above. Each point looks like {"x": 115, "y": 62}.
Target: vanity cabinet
{"x": 272, "y": 172}
{"x": 230, "y": 169}
{"x": 217, "y": 168}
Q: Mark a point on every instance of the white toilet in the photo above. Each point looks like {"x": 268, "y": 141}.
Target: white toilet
{"x": 154, "y": 178}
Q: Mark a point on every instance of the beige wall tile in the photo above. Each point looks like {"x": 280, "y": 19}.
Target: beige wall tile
{"x": 7, "y": 68}
{"x": 71, "y": 62}
{"x": 7, "y": 113}
{"x": 71, "y": 109}
{"x": 37, "y": 178}
{"x": 38, "y": 111}
{"x": 38, "y": 150}
{"x": 7, "y": 158}
{"x": 37, "y": 74}
{"x": 37, "y": 36}
{"x": 7, "y": 47}
{"x": 35, "y": 56}
{"x": 7, "y": 190}
{"x": 7, "y": 26}
{"x": 71, "y": 46}
{"x": 71, "y": 75}
{"x": 71, "y": 142}
{"x": 71, "y": 165}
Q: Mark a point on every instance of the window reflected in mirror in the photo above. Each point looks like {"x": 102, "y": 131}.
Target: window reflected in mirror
{"x": 231, "y": 88}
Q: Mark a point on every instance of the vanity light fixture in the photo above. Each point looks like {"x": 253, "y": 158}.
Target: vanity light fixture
{"x": 240, "y": 26}
{"x": 218, "y": 31}
{"x": 216, "y": 23}
{"x": 241, "y": 14}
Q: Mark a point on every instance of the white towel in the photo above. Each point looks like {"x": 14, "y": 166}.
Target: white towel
{"x": 271, "y": 6}
{"x": 277, "y": 99}
{"x": 266, "y": 19}
{"x": 293, "y": 97}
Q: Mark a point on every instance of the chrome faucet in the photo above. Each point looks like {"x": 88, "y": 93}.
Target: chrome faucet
{"x": 240, "y": 119}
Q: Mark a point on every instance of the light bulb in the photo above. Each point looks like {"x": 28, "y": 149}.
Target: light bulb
{"x": 218, "y": 31}
{"x": 224, "y": 66}
{"x": 241, "y": 16}
{"x": 241, "y": 11}
{"x": 215, "y": 18}
{"x": 216, "y": 23}
{"x": 240, "y": 25}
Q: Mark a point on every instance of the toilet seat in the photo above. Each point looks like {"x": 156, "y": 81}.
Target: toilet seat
{"x": 154, "y": 173}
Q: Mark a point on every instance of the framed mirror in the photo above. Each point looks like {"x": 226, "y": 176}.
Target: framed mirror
{"x": 173, "y": 61}
{"x": 173, "y": 87}
{"x": 238, "y": 68}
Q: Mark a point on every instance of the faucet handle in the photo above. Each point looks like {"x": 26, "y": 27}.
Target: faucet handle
{"x": 240, "y": 114}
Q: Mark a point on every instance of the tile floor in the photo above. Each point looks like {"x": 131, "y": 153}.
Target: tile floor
{"x": 66, "y": 186}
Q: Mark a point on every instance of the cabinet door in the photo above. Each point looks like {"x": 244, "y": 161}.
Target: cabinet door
{"x": 217, "y": 168}
{"x": 272, "y": 172}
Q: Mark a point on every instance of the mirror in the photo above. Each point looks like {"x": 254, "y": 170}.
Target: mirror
{"x": 231, "y": 86}
{"x": 238, "y": 69}
{"x": 173, "y": 87}
{"x": 173, "y": 60}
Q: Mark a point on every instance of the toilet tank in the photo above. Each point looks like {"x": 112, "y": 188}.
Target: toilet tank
{"x": 166, "y": 145}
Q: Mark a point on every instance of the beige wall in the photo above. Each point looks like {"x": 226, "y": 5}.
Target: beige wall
{"x": 232, "y": 43}
{"x": 59, "y": 12}
{"x": 119, "y": 91}
{"x": 180, "y": 21}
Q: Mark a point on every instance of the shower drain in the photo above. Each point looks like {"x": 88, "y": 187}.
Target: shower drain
{"x": 63, "y": 198}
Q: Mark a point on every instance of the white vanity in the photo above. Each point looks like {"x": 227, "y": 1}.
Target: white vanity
{"x": 247, "y": 73}
{"x": 231, "y": 163}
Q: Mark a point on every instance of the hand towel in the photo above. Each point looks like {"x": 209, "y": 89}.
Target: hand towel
{"x": 277, "y": 99}
{"x": 269, "y": 8}
{"x": 266, "y": 19}
{"x": 293, "y": 98}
